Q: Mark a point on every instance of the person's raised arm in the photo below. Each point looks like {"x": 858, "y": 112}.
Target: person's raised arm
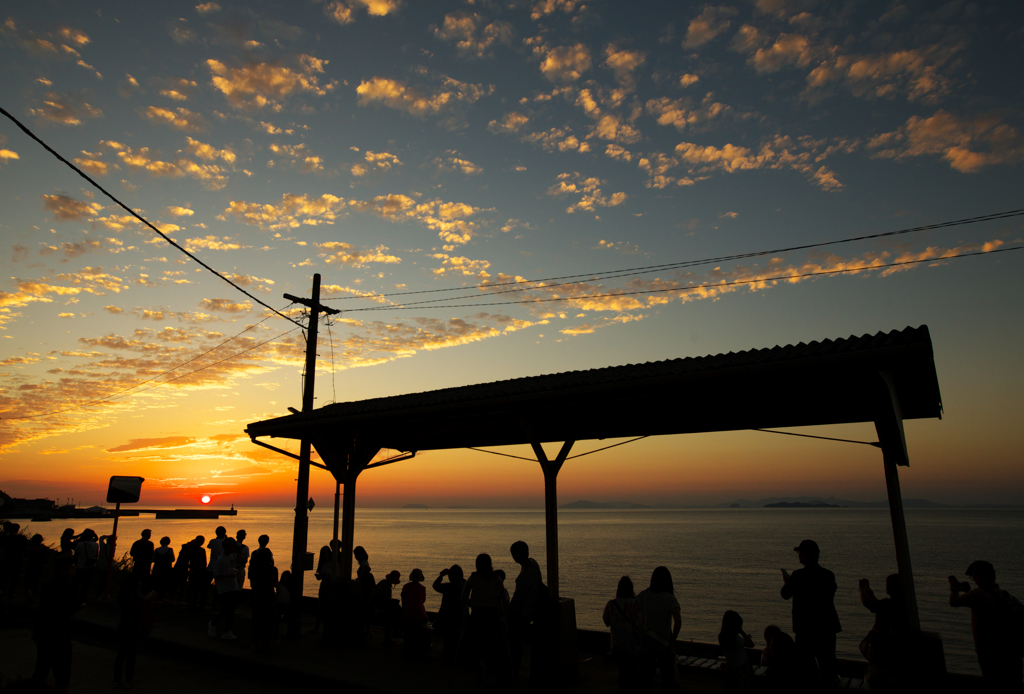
{"x": 436, "y": 585}
{"x": 787, "y": 585}
{"x": 867, "y": 596}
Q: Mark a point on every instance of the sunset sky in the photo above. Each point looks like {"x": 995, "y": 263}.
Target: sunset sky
{"x": 456, "y": 147}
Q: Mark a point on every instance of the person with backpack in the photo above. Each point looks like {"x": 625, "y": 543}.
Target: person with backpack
{"x": 620, "y": 616}
{"x": 996, "y": 625}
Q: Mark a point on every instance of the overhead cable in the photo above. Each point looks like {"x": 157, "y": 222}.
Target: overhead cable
{"x": 685, "y": 288}
{"x": 628, "y": 272}
{"x": 139, "y": 217}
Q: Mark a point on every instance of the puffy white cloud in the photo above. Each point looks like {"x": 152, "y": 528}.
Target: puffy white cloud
{"x": 182, "y": 119}
{"x": 347, "y": 255}
{"x": 447, "y": 98}
{"x": 623, "y": 63}
{"x": 564, "y": 63}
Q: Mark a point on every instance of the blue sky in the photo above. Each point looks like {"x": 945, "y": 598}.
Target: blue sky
{"x": 406, "y": 147}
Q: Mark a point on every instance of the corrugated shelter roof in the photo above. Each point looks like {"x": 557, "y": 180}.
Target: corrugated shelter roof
{"x": 827, "y": 382}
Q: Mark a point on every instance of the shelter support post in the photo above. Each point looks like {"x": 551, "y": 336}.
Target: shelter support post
{"x": 345, "y": 459}
{"x": 337, "y": 512}
{"x": 348, "y": 525}
{"x": 889, "y": 425}
{"x": 551, "y": 468}
{"x": 554, "y": 655}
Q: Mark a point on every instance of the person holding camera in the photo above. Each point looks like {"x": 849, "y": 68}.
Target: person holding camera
{"x": 996, "y": 640}
{"x": 815, "y": 620}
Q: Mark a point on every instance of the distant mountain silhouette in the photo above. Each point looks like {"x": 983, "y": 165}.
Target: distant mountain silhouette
{"x": 602, "y": 504}
{"x": 415, "y": 506}
{"x": 775, "y": 501}
{"x": 799, "y": 504}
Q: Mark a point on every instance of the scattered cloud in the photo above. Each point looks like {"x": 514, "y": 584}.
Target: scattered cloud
{"x": 65, "y": 109}
{"x": 207, "y": 8}
{"x": 344, "y": 12}
{"x": 447, "y": 98}
{"x": 473, "y": 36}
{"x": 347, "y": 255}
{"x": 453, "y": 162}
{"x": 375, "y": 162}
{"x": 711, "y": 22}
{"x": 968, "y": 144}
{"x": 564, "y": 63}
{"x": 256, "y": 85}
{"x": 64, "y": 208}
{"x": 589, "y": 191}
{"x": 623, "y": 63}
{"x": 182, "y": 118}
{"x": 225, "y": 306}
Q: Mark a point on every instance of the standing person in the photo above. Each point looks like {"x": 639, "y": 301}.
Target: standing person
{"x": 815, "y": 620}
{"x": 620, "y": 615}
{"x": 163, "y": 565}
{"x": 142, "y": 553}
{"x": 103, "y": 563}
{"x": 659, "y": 620}
{"x": 198, "y": 576}
{"x": 87, "y": 553}
{"x": 35, "y": 565}
{"x": 449, "y": 616}
{"x": 52, "y": 633}
{"x": 262, "y": 581}
{"x": 884, "y": 647}
{"x": 388, "y": 609}
{"x": 226, "y": 583}
{"x": 739, "y": 674}
{"x": 216, "y": 547}
{"x": 241, "y": 557}
{"x": 523, "y": 607}
{"x": 414, "y": 614}
{"x": 179, "y": 573}
{"x": 67, "y": 541}
{"x": 483, "y": 596}
{"x": 996, "y": 638}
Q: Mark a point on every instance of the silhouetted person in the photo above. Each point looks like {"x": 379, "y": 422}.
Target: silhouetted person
{"x": 815, "y": 621}
{"x": 449, "y": 616}
{"x": 995, "y": 639}
{"x": 35, "y": 562}
{"x": 364, "y": 585}
{"x": 785, "y": 673}
{"x": 226, "y": 582}
{"x": 739, "y": 674}
{"x": 13, "y": 548}
{"x": 241, "y": 557}
{"x": 198, "y": 575}
{"x": 885, "y": 646}
{"x": 52, "y": 633}
{"x": 216, "y": 547}
{"x": 67, "y": 541}
{"x": 522, "y": 609}
{"x": 86, "y": 553}
{"x": 179, "y": 572}
{"x": 414, "y": 614}
{"x": 620, "y": 615}
{"x": 103, "y": 563}
{"x": 163, "y": 564}
{"x": 142, "y": 553}
{"x": 487, "y": 636}
{"x": 387, "y": 608}
{"x": 660, "y": 620}
{"x": 328, "y": 573}
{"x": 262, "y": 581}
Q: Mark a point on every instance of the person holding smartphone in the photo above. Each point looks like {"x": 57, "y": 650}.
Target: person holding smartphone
{"x": 997, "y": 646}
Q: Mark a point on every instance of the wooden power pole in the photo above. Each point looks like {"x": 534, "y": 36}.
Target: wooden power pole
{"x": 302, "y": 487}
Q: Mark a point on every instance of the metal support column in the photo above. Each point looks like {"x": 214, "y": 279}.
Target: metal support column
{"x": 337, "y": 508}
{"x": 889, "y": 425}
{"x": 551, "y": 468}
{"x": 348, "y": 524}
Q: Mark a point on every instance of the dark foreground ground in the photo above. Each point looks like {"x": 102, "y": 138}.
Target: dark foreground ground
{"x": 179, "y": 657}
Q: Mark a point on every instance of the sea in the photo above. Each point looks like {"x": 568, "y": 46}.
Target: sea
{"x": 720, "y": 559}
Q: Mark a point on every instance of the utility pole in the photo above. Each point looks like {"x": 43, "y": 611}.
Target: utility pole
{"x": 302, "y": 486}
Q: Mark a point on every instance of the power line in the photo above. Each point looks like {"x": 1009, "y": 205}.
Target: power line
{"x": 122, "y": 393}
{"x": 419, "y": 306}
{"x": 133, "y": 213}
{"x": 628, "y": 272}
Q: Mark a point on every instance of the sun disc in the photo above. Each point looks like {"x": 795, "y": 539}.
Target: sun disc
{"x": 205, "y": 499}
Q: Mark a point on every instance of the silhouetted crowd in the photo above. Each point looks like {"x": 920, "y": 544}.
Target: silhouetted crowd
{"x": 480, "y": 623}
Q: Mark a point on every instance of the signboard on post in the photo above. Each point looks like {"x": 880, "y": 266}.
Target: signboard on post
{"x": 124, "y": 490}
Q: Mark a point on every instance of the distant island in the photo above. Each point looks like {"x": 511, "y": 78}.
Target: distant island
{"x": 796, "y": 504}
{"x": 602, "y": 504}
{"x": 420, "y": 506}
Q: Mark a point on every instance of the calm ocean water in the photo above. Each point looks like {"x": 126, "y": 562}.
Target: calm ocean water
{"x": 719, "y": 558}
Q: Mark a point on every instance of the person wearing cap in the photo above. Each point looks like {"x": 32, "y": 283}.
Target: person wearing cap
{"x": 998, "y": 649}
{"x": 389, "y": 610}
{"x": 815, "y": 621}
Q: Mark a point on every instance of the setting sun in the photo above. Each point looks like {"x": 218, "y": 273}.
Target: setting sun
{"x": 205, "y": 499}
